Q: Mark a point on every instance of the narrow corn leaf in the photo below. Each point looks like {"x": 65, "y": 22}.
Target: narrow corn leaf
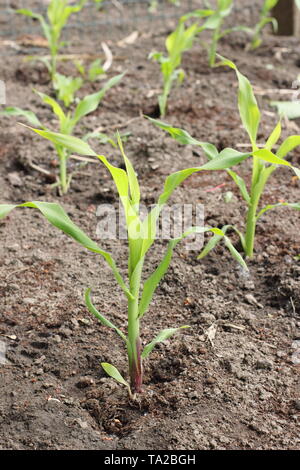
{"x": 288, "y": 145}
{"x": 290, "y": 109}
{"x": 91, "y": 102}
{"x": 55, "y": 214}
{"x": 54, "y": 105}
{"x": 92, "y": 309}
{"x": 241, "y": 185}
{"x": 132, "y": 178}
{"x": 226, "y": 159}
{"x": 235, "y": 254}
{"x": 212, "y": 243}
{"x": 249, "y": 111}
{"x": 280, "y": 204}
{"x": 29, "y": 115}
{"x": 162, "y": 336}
{"x": 37, "y": 16}
{"x": 119, "y": 175}
{"x": 114, "y": 373}
{"x": 274, "y": 137}
{"x": 5, "y": 209}
{"x": 152, "y": 282}
{"x": 197, "y": 14}
{"x": 184, "y": 138}
{"x": 270, "y": 157}
{"x": 72, "y": 143}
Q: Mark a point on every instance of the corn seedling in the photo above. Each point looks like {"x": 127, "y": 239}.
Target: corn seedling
{"x": 67, "y": 87}
{"x": 214, "y": 22}
{"x": 264, "y": 162}
{"x": 264, "y": 19}
{"x": 141, "y": 236}
{"x": 66, "y": 123}
{"x": 154, "y": 4}
{"x": 177, "y": 43}
{"x": 91, "y": 73}
{"x": 58, "y": 13}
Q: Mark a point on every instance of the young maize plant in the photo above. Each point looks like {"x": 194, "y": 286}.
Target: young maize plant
{"x": 67, "y": 122}
{"x": 58, "y": 13}
{"x": 141, "y": 236}
{"x": 264, "y": 19}
{"x": 177, "y": 43}
{"x": 264, "y": 162}
{"x": 216, "y": 17}
{"x": 66, "y": 87}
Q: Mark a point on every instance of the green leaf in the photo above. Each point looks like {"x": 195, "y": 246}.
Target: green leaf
{"x": 249, "y": 111}
{"x": 268, "y": 156}
{"x": 114, "y": 373}
{"x": 197, "y": 14}
{"x": 5, "y": 209}
{"x": 44, "y": 25}
{"x": 100, "y": 317}
{"x": 290, "y": 109}
{"x": 67, "y": 87}
{"x": 235, "y": 254}
{"x": 274, "y": 137}
{"x": 212, "y": 243}
{"x": 241, "y": 185}
{"x": 226, "y": 159}
{"x": 91, "y": 102}
{"x": 184, "y": 138}
{"x": 56, "y": 108}
{"x": 288, "y": 145}
{"x": 152, "y": 282}
{"x": 29, "y": 115}
{"x": 55, "y": 214}
{"x": 132, "y": 178}
{"x": 72, "y": 143}
{"x": 162, "y": 336}
{"x": 95, "y": 70}
{"x": 274, "y": 206}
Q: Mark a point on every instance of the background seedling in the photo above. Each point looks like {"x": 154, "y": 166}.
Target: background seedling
{"x": 264, "y": 19}
{"x": 264, "y": 162}
{"x": 214, "y": 22}
{"x": 141, "y": 236}
{"x": 67, "y": 87}
{"x": 67, "y": 123}
{"x": 177, "y": 42}
{"x": 58, "y": 14}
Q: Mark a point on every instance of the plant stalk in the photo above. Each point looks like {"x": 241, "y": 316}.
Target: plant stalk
{"x": 251, "y": 220}
{"x": 213, "y": 47}
{"x": 134, "y": 342}
{"x": 63, "y": 180}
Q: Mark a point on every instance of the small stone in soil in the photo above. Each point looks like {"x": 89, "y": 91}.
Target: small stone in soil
{"x": 264, "y": 364}
{"x": 84, "y": 382}
{"x": 297, "y": 404}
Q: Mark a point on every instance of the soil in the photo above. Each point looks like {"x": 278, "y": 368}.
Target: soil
{"x": 237, "y": 390}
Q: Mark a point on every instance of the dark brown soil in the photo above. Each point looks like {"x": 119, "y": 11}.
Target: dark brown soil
{"x": 240, "y": 391}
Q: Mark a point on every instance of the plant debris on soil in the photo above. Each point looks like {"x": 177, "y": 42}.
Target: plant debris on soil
{"x": 229, "y": 382}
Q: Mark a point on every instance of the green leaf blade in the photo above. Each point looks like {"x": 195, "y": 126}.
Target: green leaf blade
{"x": 162, "y": 336}
{"x": 113, "y": 372}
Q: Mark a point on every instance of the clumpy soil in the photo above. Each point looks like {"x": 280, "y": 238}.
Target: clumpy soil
{"x": 229, "y": 382}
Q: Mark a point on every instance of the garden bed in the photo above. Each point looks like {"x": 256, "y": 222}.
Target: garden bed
{"x": 238, "y": 391}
